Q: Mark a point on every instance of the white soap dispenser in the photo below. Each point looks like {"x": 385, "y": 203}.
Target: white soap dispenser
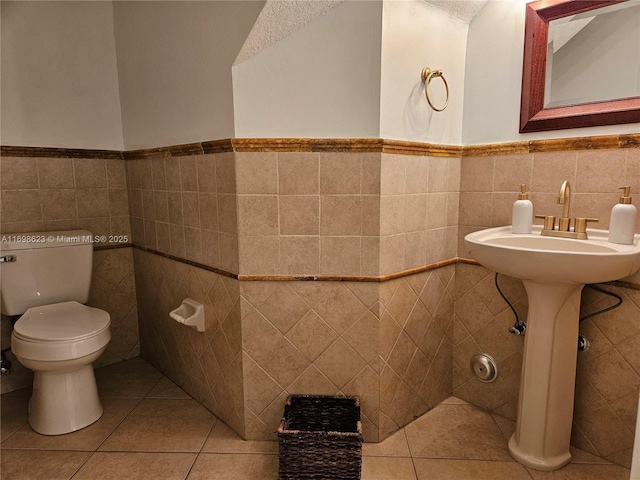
{"x": 622, "y": 226}
{"x": 522, "y": 215}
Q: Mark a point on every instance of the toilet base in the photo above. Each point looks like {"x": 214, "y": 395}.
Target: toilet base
{"x": 64, "y": 401}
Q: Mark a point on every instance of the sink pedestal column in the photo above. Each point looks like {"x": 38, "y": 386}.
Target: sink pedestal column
{"x": 545, "y": 405}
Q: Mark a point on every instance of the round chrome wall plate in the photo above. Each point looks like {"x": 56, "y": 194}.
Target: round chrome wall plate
{"x": 484, "y": 367}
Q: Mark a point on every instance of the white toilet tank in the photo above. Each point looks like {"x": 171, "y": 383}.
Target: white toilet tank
{"x": 44, "y": 268}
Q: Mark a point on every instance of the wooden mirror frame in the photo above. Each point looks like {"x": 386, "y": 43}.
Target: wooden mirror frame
{"x": 534, "y": 117}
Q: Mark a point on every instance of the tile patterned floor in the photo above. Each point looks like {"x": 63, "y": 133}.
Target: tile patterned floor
{"x": 152, "y": 430}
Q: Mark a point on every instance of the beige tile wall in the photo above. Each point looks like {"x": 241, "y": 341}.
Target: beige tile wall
{"x": 489, "y": 185}
{"x": 308, "y": 337}
{"x": 393, "y": 344}
{"x": 385, "y": 343}
{"x": 305, "y": 214}
{"x": 46, "y": 194}
{"x": 113, "y": 289}
{"x": 49, "y": 194}
{"x": 301, "y": 337}
{"x": 418, "y": 210}
{"x": 207, "y": 365}
{"x": 186, "y": 207}
{"x": 268, "y": 213}
{"x": 345, "y": 213}
{"x": 292, "y": 207}
{"x": 609, "y": 372}
{"x": 308, "y": 213}
{"x": 415, "y": 346}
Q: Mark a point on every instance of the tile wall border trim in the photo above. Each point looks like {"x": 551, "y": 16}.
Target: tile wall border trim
{"x": 603, "y": 142}
{"x": 347, "y": 278}
{"x": 54, "y": 152}
{"x": 112, "y": 246}
{"x": 331, "y": 278}
{"x": 162, "y": 152}
{"x": 308, "y": 278}
{"x": 202, "y": 266}
{"x": 352, "y": 145}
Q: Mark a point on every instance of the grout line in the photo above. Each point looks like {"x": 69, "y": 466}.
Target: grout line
{"x": 119, "y": 423}
{"x": 208, "y": 433}
{"x": 195, "y": 459}
{"x": 146, "y": 395}
{"x": 406, "y": 439}
{"x": 91, "y": 454}
{"x": 415, "y": 470}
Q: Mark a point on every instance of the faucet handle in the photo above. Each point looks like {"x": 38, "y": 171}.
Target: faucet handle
{"x": 580, "y": 225}
{"x": 549, "y": 221}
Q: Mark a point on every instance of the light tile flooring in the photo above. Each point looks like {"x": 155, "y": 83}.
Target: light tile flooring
{"x": 151, "y": 429}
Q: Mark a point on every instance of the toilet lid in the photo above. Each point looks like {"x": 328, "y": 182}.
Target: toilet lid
{"x": 67, "y": 321}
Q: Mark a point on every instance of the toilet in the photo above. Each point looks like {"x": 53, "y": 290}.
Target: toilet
{"x": 45, "y": 278}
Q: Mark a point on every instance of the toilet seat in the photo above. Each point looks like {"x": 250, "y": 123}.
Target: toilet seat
{"x": 61, "y": 322}
{"x": 60, "y": 332}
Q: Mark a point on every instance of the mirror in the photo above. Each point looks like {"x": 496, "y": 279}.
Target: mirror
{"x": 579, "y": 42}
{"x": 581, "y": 64}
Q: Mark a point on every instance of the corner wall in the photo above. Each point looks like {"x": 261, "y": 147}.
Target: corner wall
{"x": 298, "y": 215}
{"x": 59, "y": 75}
{"x": 355, "y": 72}
{"x": 174, "y": 68}
{"x": 416, "y": 34}
{"x": 323, "y": 80}
{"x": 209, "y": 365}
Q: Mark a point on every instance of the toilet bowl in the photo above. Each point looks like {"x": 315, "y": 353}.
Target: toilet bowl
{"x": 59, "y": 343}
{"x": 47, "y": 278}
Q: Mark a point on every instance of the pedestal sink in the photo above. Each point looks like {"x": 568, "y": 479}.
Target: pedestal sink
{"x": 554, "y": 271}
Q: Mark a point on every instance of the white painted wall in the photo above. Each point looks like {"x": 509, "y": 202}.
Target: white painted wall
{"x": 493, "y": 79}
{"x": 321, "y": 81}
{"x": 59, "y": 77}
{"x": 174, "y": 65}
{"x": 416, "y": 34}
{"x": 351, "y": 71}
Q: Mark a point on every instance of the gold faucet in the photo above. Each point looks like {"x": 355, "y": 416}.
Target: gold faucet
{"x": 564, "y": 223}
{"x": 564, "y": 199}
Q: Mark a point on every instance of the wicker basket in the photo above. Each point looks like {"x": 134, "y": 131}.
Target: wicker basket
{"x": 320, "y": 437}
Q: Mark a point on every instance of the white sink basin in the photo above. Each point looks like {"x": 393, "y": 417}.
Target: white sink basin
{"x": 553, "y": 259}
{"x": 553, "y": 271}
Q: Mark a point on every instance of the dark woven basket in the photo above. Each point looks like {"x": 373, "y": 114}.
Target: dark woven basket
{"x": 320, "y": 437}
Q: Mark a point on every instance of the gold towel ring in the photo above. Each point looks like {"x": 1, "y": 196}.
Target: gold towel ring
{"x": 427, "y": 75}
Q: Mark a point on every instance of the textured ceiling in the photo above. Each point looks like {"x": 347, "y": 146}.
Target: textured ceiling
{"x": 465, "y": 10}
{"x": 280, "y": 18}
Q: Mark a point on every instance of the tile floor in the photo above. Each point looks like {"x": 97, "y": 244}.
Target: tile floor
{"x": 151, "y": 429}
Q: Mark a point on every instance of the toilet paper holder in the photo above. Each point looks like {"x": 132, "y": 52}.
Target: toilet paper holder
{"x": 189, "y": 313}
